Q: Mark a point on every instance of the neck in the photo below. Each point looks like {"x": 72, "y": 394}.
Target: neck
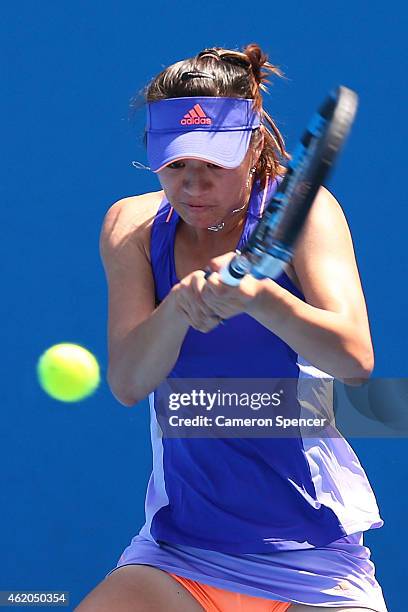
{"x": 204, "y": 238}
{"x": 222, "y": 231}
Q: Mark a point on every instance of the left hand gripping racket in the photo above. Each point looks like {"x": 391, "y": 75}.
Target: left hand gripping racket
{"x": 271, "y": 244}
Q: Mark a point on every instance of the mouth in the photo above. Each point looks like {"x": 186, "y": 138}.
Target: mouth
{"x": 202, "y": 212}
{"x": 199, "y": 206}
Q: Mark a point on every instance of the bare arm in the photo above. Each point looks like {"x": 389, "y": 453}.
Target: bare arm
{"x": 143, "y": 342}
{"x": 331, "y": 330}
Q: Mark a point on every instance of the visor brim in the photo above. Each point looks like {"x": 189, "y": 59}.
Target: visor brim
{"x": 226, "y": 149}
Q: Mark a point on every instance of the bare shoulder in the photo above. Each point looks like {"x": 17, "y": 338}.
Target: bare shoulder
{"x": 326, "y": 212}
{"x": 326, "y": 227}
{"x": 128, "y": 222}
{"x": 324, "y": 259}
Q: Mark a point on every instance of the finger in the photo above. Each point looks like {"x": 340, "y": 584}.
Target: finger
{"x": 215, "y": 292}
{"x": 210, "y": 323}
{"x": 197, "y": 315}
{"x": 221, "y": 261}
{"x": 215, "y": 285}
{"x": 192, "y": 312}
{"x": 202, "y": 295}
{"x": 199, "y": 283}
{"x": 192, "y": 295}
{"x": 198, "y": 299}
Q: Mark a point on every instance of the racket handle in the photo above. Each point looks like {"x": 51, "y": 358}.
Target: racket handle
{"x": 227, "y": 278}
{"x": 236, "y": 269}
{"x": 267, "y": 267}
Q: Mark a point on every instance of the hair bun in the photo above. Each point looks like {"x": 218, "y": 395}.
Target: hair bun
{"x": 257, "y": 59}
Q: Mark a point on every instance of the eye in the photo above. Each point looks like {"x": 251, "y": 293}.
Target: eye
{"x": 175, "y": 165}
{"x": 180, "y": 164}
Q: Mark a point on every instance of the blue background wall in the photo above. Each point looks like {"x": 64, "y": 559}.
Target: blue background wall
{"x": 73, "y": 476}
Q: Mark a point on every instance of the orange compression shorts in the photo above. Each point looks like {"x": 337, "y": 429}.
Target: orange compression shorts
{"x": 214, "y": 599}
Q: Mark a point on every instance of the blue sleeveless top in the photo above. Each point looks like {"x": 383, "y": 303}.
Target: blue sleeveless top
{"x": 248, "y": 495}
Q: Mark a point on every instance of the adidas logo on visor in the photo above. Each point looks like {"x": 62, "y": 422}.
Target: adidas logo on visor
{"x": 196, "y": 116}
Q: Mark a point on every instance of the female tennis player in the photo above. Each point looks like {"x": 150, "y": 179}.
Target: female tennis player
{"x": 234, "y": 524}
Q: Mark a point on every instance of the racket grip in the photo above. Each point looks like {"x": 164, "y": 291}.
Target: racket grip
{"x": 233, "y": 273}
{"x": 268, "y": 267}
{"x": 227, "y": 278}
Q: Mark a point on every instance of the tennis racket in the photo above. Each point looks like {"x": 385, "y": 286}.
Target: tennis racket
{"x": 271, "y": 244}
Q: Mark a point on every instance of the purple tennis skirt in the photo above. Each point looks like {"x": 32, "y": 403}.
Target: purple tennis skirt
{"x": 338, "y": 574}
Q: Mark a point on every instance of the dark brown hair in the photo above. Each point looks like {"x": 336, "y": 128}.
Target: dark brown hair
{"x": 227, "y": 73}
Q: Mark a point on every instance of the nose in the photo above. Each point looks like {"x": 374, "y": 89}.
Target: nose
{"x": 196, "y": 181}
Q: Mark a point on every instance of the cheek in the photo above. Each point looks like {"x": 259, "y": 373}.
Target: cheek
{"x": 234, "y": 184}
{"x": 167, "y": 182}
{"x": 163, "y": 178}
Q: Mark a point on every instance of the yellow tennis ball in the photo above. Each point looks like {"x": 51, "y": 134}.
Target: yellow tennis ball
{"x": 68, "y": 372}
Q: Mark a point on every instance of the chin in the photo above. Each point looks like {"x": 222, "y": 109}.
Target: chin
{"x": 200, "y": 224}
{"x": 199, "y": 220}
